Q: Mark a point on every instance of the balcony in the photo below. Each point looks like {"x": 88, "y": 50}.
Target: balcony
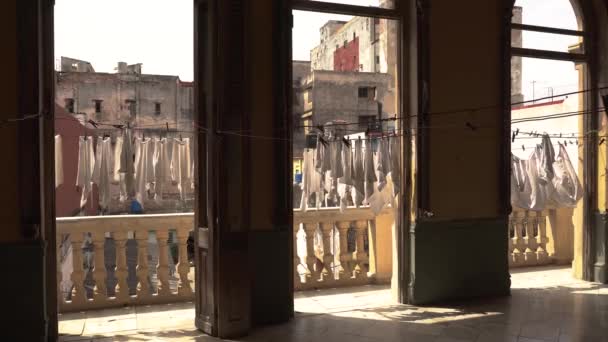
{"x": 131, "y": 260}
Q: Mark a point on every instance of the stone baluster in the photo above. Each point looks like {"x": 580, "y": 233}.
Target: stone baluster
{"x": 297, "y": 279}
{"x": 360, "y": 255}
{"x": 162, "y": 236}
{"x": 143, "y": 288}
{"x": 311, "y": 259}
{"x": 122, "y": 271}
{"x": 345, "y": 257}
{"x": 518, "y": 226}
{"x": 99, "y": 273}
{"x": 78, "y": 294}
{"x": 60, "y": 296}
{"x": 183, "y": 268}
{"x": 530, "y": 239}
{"x": 327, "y": 231}
{"x": 541, "y": 239}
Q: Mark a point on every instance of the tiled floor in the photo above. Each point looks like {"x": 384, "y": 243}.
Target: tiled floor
{"x": 546, "y": 305}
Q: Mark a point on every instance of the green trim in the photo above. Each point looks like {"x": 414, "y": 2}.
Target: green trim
{"x": 459, "y": 259}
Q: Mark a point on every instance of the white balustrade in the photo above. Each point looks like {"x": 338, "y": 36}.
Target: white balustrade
{"x": 113, "y": 287}
{"x": 528, "y": 238}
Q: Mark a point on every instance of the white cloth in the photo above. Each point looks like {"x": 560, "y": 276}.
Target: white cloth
{"x": 127, "y": 167}
{"x": 521, "y": 189}
{"x": 567, "y": 187}
{"x": 358, "y": 173}
{"x": 162, "y": 167}
{"x": 540, "y": 189}
{"x": 86, "y": 164}
{"x": 395, "y": 157}
{"x": 369, "y": 174}
{"x": 144, "y": 168}
{"x": 383, "y": 166}
{"x": 58, "y": 161}
{"x": 102, "y": 174}
{"x": 311, "y": 180}
{"x": 181, "y": 165}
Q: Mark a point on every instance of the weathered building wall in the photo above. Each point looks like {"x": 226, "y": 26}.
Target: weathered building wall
{"x": 346, "y": 58}
{"x": 336, "y": 95}
{"x": 359, "y": 28}
{"x": 115, "y": 90}
{"x": 516, "y": 66}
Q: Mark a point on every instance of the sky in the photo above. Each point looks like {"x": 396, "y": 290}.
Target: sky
{"x": 159, "y": 34}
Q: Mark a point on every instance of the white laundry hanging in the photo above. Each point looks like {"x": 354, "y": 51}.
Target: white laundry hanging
{"x": 162, "y": 167}
{"x": 311, "y": 180}
{"x": 86, "y": 164}
{"x": 181, "y": 165}
{"x": 395, "y": 157}
{"x": 102, "y": 174}
{"x": 127, "y": 166}
{"x": 369, "y": 173}
{"x": 358, "y": 173}
{"x": 144, "y": 168}
{"x": 567, "y": 187}
{"x": 58, "y": 161}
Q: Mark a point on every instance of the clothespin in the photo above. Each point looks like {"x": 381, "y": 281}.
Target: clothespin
{"x": 602, "y": 141}
{"x": 470, "y": 125}
{"x": 180, "y": 137}
{"x": 523, "y": 148}
{"x": 513, "y": 137}
{"x": 560, "y": 135}
{"x": 93, "y": 123}
{"x": 517, "y": 132}
{"x": 346, "y": 141}
{"x": 359, "y": 138}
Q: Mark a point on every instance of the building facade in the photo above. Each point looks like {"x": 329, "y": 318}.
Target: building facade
{"x": 127, "y": 96}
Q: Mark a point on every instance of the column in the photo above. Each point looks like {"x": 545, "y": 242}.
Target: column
{"x": 143, "y": 288}
{"x": 345, "y": 257}
{"x": 163, "y": 262}
{"x": 183, "y": 268}
{"x": 99, "y": 273}
{"x": 122, "y": 293}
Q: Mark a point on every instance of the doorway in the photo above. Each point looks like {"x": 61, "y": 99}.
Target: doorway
{"x": 553, "y": 119}
{"x": 125, "y": 162}
{"x": 348, "y": 141}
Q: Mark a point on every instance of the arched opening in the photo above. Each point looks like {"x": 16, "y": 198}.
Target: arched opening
{"x": 552, "y": 139}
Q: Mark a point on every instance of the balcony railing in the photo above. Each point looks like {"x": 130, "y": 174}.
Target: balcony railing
{"x": 528, "y": 238}
{"x": 131, "y": 275}
{"x": 144, "y": 259}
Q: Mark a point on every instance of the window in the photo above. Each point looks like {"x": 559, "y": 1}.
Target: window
{"x": 308, "y": 96}
{"x": 363, "y": 92}
{"x": 157, "y": 108}
{"x": 69, "y": 105}
{"x": 307, "y": 123}
{"x": 367, "y": 93}
{"x": 97, "y": 106}
{"x": 132, "y": 107}
{"x": 354, "y": 35}
{"x": 367, "y": 122}
{"x": 345, "y": 43}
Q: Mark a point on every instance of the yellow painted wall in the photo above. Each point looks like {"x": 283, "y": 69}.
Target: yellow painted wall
{"x": 466, "y": 69}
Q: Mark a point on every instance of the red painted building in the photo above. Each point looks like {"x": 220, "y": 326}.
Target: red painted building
{"x": 346, "y": 57}
{"x": 67, "y": 195}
